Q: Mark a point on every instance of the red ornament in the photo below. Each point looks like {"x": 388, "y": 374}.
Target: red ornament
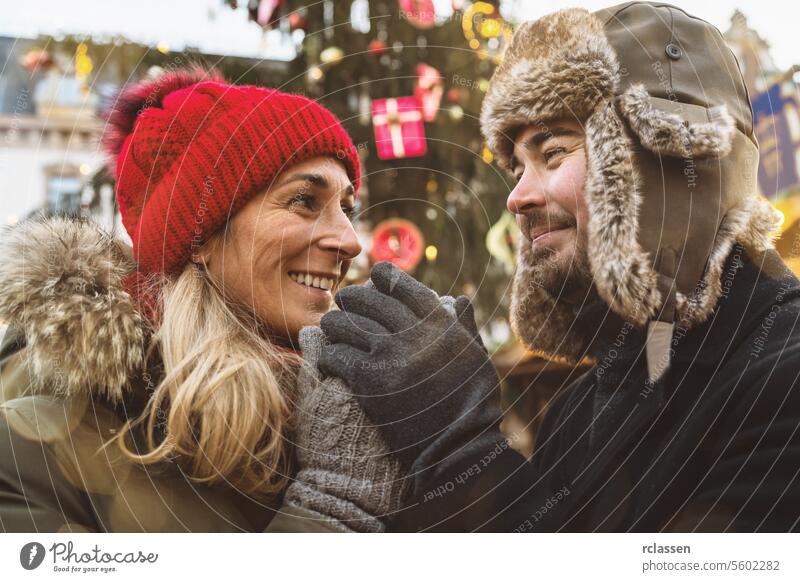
{"x": 455, "y": 95}
{"x": 419, "y": 13}
{"x": 297, "y": 22}
{"x": 399, "y": 130}
{"x": 377, "y": 47}
{"x": 398, "y": 241}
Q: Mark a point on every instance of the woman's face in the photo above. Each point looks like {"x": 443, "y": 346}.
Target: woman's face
{"x": 284, "y": 254}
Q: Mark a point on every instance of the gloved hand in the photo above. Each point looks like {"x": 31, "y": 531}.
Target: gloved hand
{"x": 420, "y": 372}
{"x": 345, "y": 473}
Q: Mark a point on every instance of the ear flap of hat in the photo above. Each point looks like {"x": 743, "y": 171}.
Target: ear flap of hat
{"x": 621, "y": 267}
{"x": 639, "y": 287}
{"x": 624, "y": 273}
{"x": 665, "y": 133}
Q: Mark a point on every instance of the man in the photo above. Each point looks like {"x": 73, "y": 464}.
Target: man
{"x": 646, "y": 251}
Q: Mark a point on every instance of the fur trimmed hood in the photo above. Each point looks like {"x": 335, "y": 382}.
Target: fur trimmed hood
{"x": 62, "y": 285}
{"x": 669, "y": 140}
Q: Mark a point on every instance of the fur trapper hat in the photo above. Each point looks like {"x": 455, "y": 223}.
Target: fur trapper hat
{"x": 671, "y": 162}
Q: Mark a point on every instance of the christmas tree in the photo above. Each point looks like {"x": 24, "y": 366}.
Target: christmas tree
{"x": 408, "y": 85}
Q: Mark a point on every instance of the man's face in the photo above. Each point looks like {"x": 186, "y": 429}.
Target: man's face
{"x": 549, "y": 165}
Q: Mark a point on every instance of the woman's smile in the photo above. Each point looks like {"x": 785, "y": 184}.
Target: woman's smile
{"x": 316, "y": 281}
{"x": 319, "y": 285}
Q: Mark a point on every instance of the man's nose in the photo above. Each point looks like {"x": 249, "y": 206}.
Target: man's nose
{"x": 529, "y": 193}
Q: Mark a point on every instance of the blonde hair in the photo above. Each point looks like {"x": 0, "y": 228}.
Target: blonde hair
{"x": 222, "y": 406}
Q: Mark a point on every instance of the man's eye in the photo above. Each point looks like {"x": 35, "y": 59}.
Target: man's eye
{"x": 551, "y": 153}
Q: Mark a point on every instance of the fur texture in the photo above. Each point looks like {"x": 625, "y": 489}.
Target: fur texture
{"x": 665, "y": 133}
{"x": 752, "y": 224}
{"x": 621, "y": 268}
{"x": 61, "y": 283}
{"x": 558, "y": 66}
{"x": 545, "y": 325}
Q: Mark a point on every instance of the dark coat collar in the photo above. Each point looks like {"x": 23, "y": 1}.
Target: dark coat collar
{"x": 752, "y": 286}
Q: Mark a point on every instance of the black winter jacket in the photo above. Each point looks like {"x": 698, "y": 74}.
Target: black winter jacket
{"x": 713, "y": 446}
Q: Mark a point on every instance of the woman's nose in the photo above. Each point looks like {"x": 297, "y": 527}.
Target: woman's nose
{"x": 341, "y": 237}
{"x": 527, "y": 194}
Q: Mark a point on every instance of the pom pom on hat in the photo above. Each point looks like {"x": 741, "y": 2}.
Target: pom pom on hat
{"x": 123, "y": 110}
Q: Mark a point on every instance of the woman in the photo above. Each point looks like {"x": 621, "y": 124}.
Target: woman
{"x": 153, "y": 388}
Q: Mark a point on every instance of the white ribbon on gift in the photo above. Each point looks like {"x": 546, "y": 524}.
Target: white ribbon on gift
{"x": 394, "y": 119}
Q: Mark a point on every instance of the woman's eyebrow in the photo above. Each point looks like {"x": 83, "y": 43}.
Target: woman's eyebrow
{"x": 317, "y": 180}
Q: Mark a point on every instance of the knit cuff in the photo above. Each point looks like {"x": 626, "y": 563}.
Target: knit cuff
{"x": 343, "y": 512}
{"x": 294, "y": 519}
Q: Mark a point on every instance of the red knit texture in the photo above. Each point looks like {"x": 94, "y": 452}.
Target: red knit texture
{"x": 189, "y": 150}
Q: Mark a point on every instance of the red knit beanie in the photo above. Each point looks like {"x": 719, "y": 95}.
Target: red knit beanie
{"x": 189, "y": 150}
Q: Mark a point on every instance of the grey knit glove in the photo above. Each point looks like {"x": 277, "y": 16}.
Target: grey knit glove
{"x": 345, "y": 473}
{"x": 416, "y": 364}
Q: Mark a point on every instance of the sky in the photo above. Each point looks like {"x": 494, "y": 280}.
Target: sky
{"x": 216, "y": 29}
{"x": 210, "y": 25}
{"x": 776, "y": 21}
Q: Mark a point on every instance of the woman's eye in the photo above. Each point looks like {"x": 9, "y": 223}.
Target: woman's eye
{"x": 303, "y": 200}
{"x": 349, "y": 211}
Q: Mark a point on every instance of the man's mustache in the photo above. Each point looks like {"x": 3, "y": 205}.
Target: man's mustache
{"x": 537, "y": 219}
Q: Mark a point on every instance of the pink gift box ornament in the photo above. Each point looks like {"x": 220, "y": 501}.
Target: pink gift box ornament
{"x": 399, "y": 129}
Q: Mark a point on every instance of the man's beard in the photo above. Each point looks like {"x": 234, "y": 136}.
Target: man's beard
{"x": 564, "y": 276}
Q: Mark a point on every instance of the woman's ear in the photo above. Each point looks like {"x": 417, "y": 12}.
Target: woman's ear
{"x": 199, "y": 257}
{"x": 203, "y": 255}
{"x": 199, "y": 260}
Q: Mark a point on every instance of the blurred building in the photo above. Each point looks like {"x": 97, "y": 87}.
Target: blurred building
{"x": 752, "y": 52}
{"x": 776, "y": 109}
{"x": 51, "y": 95}
{"x": 47, "y": 137}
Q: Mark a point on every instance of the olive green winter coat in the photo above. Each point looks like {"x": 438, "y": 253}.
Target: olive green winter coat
{"x": 72, "y": 334}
